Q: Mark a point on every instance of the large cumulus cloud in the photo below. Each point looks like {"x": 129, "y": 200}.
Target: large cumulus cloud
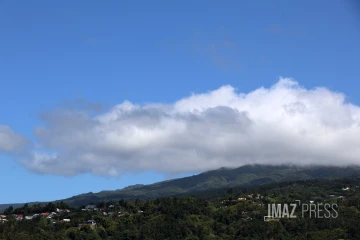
{"x": 222, "y": 128}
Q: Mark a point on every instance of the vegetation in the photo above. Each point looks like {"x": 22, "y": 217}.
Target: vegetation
{"x": 216, "y": 214}
{"x": 245, "y": 176}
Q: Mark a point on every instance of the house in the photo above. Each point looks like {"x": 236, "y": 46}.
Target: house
{"x": 90, "y": 223}
{"x": 65, "y": 220}
{"x": 241, "y": 199}
{"x": 62, "y": 210}
{"x": 91, "y": 208}
{"x": 2, "y": 218}
{"x": 29, "y": 217}
{"x": 19, "y": 217}
{"x": 346, "y": 189}
{"x": 45, "y": 214}
{"x": 51, "y": 215}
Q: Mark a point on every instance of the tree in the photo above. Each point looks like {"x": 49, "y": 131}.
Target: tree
{"x": 9, "y": 210}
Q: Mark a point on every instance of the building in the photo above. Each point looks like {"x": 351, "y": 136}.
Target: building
{"x": 91, "y": 208}
{"x": 2, "y": 218}
{"x": 19, "y": 217}
{"x": 90, "y": 223}
{"x": 45, "y": 214}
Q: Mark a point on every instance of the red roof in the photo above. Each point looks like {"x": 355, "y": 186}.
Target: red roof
{"x": 19, "y": 215}
{"x": 45, "y": 214}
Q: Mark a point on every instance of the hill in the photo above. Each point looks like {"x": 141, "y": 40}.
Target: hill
{"x": 210, "y": 214}
{"x": 247, "y": 175}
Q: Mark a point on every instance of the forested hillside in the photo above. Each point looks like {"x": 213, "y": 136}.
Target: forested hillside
{"x": 228, "y": 213}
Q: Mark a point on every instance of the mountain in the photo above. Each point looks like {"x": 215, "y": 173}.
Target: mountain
{"x": 248, "y": 175}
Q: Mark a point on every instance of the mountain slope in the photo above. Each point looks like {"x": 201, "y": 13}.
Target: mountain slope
{"x": 248, "y": 175}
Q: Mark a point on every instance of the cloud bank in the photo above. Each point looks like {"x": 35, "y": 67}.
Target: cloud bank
{"x": 285, "y": 123}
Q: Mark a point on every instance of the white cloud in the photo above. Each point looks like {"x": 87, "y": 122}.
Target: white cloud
{"x": 10, "y": 141}
{"x": 222, "y": 128}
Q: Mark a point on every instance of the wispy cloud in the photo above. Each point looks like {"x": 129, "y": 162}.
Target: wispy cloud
{"x": 285, "y": 123}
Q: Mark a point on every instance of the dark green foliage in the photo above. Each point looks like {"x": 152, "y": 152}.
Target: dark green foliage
{"x": 202, "y": 216}
{"x": 245, "y": 176}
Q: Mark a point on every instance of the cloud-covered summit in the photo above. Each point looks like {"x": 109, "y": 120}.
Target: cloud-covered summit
{"x": 285, "y": 123}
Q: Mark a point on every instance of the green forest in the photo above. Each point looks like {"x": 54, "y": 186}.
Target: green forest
{"x": 224, "y": 214}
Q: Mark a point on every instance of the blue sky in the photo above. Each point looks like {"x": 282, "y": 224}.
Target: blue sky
{"x": 97, "y": 54}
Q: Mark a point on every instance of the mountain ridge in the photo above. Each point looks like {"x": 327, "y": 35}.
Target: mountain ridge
{"x": 246, "y": 175}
